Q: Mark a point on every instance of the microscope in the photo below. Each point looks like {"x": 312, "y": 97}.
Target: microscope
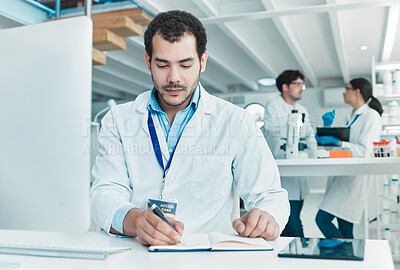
{"x": 295, "y": 124}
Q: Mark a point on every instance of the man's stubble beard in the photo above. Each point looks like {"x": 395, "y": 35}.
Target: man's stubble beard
{"x": 193, "y": 88}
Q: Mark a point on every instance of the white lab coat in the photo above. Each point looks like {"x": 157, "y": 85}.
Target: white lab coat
{"x": 345, "y": 196}
{"x": 221, "y": 146}
{"x": 275, "y": 128}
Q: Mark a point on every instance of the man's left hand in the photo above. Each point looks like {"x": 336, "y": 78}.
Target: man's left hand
{"x": 257, "y": 223}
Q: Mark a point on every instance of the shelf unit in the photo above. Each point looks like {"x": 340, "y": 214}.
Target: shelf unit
{"x": 393, "y": 200}
{"x": 388, "y": 98}
{"x": 385, "y": 99}
{"x": 383, "y": 66}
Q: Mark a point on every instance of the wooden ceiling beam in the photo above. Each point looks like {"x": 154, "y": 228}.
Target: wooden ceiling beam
{"x": 98, "y": 57}
{"x": 138, "y": 15}
{"x": 123, "y": 25}
{"x": 105, "y": 40}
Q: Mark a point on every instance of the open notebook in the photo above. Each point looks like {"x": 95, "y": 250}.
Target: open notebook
{"x": 215, "y": 241}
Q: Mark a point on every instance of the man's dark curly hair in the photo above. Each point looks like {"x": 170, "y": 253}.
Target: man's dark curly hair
{"x": 172, "y": 26}
{"x": 287, "y": 77}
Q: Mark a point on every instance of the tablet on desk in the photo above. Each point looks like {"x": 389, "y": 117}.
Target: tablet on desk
{"x": 342, "y": 133}
{"x": 316, "y": 248}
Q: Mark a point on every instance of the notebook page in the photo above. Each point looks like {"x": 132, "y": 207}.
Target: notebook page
{"x": 236, "y": 242}
{"x": 192, "y": 242}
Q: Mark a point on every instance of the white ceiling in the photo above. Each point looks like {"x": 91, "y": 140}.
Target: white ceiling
{"x": 250, "y": 39}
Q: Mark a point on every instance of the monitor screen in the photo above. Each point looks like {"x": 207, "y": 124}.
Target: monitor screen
{"x": 45, "y": 110}
{"x": 316, "y": 248}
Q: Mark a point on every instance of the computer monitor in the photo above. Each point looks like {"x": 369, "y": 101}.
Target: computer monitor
{"x": 45, "y": 110}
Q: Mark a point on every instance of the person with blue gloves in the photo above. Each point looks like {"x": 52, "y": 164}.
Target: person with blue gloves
{"x": 345, "y": 196}
{"x": 327, "y": 118}
{"x": 290, "y": 83}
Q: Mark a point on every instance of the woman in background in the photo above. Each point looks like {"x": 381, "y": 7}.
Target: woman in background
{"x": 345, "y": 196}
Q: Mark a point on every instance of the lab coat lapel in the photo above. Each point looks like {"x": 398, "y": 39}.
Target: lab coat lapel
{"x": 160, "y": 136}
{"x": 194, "y": 127}
{"x": 160, "y": 133}
{"x": 191, "y": 131}
{"x": 162, "y": 141}
{"x": 143, "y": 100}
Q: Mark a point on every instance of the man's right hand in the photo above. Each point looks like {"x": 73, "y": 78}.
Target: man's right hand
{"x": 151, "y": 229}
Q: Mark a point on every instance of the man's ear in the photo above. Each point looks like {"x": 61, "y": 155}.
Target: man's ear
{"x": 285, "y": 87}
{"x": 148, "y": 59}
{"x": 203, "y": 61}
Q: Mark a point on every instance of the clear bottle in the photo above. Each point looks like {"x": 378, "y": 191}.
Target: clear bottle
{"x": 387, "y": 234}
{"x": 385, "y": 216}
{"x": 394, "y": 185}
{"x": 394, "y": 111}
{"x": 396, "y": 81}
{"x": 387, "y": 82}
{"x": 386, "y": 188}
{"x": 393, "y": 147}
{"x": 394, "y": 217}
{"x": 385, "y": 203}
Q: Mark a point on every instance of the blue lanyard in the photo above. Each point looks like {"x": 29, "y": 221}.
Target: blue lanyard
{"x": 353, "y": 120}
{"x": 157, "y": 148}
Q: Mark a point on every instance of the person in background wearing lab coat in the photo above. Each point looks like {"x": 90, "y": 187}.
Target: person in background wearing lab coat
{"x": 346, "y": 196}
{"x": 180, "y": 145}
{"x": 291, "y": 85}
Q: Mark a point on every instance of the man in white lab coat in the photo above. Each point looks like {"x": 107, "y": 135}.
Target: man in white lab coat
{"x": 183, "y": 149}
{"x": 291, "y": 85}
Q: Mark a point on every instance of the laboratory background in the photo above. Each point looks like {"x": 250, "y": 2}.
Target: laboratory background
{"x": 250, "y": 42}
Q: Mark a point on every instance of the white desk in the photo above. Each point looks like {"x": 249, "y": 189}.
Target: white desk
{"x": 338, "y": 166}
{"x": 377, "y": 256}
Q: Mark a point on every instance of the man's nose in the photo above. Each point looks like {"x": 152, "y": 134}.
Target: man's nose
{"x": 174, "y": 75}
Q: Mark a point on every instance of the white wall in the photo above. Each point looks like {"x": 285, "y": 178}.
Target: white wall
{"x": 314, "y": 103}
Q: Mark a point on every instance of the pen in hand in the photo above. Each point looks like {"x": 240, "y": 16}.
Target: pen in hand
{"x": 159, "y": 213}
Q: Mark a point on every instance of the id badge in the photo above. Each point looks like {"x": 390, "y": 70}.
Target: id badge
{"x": 167, "y": 206}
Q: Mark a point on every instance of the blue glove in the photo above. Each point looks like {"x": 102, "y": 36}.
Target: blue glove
{"x": 328, "y": 118}
{"x": 324, "y": 140}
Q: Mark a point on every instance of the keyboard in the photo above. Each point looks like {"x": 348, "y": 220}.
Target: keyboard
{"x": 66, "y": 251}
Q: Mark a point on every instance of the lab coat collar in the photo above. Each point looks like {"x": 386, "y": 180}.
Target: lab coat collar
{"x": 290, "y": 107}
{"x": 154, "y": 106}
{"x": 205, "y": 99}
{"x": 143, "y": 100}
{"x": 361, "y": 110}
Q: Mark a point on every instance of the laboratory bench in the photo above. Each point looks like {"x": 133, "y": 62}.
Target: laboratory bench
{"x": 377, "y": 255}
{"x": 338, "y": 166}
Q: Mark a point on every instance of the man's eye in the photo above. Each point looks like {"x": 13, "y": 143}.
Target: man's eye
{"x": 162, "y": 66}
{"x": 186, "y": 66}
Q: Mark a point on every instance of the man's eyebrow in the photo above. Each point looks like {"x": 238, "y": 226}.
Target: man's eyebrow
{"x": 161, "y": 60}
{"x": 189, "y": 59}
{"x": 186, "y": 60}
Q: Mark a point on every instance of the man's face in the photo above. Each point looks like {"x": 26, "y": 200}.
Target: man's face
{"x": 175, "y": 69}
{"x": 294, "y": 90}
